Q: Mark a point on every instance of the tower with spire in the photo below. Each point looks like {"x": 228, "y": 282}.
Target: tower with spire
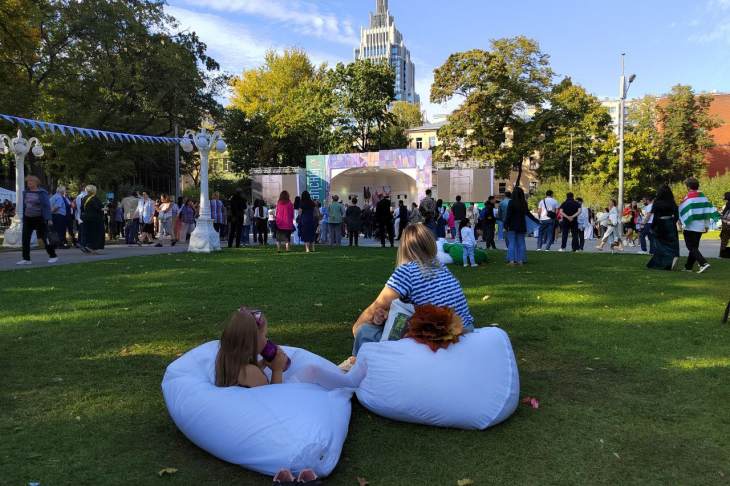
{"x": 383, "y": 41}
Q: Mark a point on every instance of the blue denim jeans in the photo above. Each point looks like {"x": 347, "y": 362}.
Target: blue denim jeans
{"x": 516, "y": 250}
{"x": 468, "y": 253}
{"x": 546, "y": 234}
{"x": 643, "y": 235}
{"x": 368, "y": 333}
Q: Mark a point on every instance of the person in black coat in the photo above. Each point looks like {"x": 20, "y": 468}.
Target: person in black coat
{"x": 402, "y": 214}
{"x": 238, "y": 208}
{"x": 384, "y": 218}
{"x": 353, "y": 220}
{"x": 515, "y": 225}
{"x": 92, "y": 214}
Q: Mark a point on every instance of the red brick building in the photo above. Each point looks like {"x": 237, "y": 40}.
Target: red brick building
{"x": 718, "y": 158}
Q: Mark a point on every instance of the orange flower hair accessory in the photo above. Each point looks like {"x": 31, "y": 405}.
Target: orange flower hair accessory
{"x": 436, "y": 327}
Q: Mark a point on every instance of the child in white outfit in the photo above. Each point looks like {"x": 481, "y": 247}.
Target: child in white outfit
{"x": 468, "y": 242}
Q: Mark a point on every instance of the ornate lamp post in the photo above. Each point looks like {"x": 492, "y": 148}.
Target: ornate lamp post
{"x": 20, "y": 147}
{"x": 204, "y": 238}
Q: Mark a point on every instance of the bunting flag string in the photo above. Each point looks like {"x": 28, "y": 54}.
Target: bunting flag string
{"x": 67, "y": 130}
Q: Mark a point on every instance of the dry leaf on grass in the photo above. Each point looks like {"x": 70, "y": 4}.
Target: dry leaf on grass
{"x": 531, "y": 401}
{"x": 166, "y": 470}
{"x": 486, "y": 297}
{"x": 362, "y": 481}
{"x": 464, "y": 482}
{"x": 617, "y": 456}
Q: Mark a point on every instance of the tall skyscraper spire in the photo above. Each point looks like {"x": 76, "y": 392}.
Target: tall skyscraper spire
{"x": 381, "y": 40}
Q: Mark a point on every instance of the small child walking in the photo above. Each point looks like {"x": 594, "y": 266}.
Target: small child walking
{"x": 468, "y": 242}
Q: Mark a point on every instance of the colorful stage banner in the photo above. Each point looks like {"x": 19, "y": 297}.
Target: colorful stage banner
{"x": 67, "y": 130}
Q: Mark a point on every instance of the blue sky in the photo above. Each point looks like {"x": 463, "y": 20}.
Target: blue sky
{"x": 666, "y": 42}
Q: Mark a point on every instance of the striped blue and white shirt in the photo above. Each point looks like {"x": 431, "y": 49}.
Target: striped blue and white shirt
{"x": 437, "y": 287}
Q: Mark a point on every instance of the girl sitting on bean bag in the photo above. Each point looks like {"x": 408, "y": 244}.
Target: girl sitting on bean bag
{"x": 237, "y": 364}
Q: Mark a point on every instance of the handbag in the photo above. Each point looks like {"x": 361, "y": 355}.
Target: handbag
{"x": 550, "y": 214}
{"x": 52, "y": 236}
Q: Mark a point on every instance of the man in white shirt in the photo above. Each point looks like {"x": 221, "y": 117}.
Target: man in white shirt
{"x": 646, "y": 220}
{"x": 547, "y": 211}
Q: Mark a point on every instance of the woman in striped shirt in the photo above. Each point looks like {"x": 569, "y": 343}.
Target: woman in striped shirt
{"x": 419, "y": 279}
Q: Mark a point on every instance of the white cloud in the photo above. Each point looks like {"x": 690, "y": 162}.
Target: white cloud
{"x": 720, "y": 32}
{"x": 231, "y": 44}
{"x": 303, "y": 16}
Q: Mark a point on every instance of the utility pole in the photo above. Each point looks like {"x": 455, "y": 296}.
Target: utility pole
{"x": 623, "y": 90}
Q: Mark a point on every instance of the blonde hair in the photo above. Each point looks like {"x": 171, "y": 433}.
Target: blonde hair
{"x": 238, "y": 347}
{"x": 31, "y": 177}
{"x": 417, "y": 245}
{"x": 90, "y": 189}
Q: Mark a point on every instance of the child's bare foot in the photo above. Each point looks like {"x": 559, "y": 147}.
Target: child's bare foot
{"x": 347, "y": 364}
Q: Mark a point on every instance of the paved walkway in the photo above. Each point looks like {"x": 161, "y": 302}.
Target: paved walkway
{"x": 8, "y": 258}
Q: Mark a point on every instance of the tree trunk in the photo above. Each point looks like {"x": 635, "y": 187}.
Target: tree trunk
{"x": 519, "y": 175}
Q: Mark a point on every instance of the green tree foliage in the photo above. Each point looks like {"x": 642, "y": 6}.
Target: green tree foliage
{"x": 665, "y": 141}
{"x": 404, "y": 116}
{"x": 685, "y": 124}
{"x": 572, "y": 114}
{"x": 287, "y": 105}
{"x": 595, "y": 194}
{"x": 364, "y": 90}
{"x": 112, "y": 65}
{"x": 498, "y": 87}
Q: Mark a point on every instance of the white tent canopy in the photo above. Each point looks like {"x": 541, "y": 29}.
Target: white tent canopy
{"x": 6, "y": 194}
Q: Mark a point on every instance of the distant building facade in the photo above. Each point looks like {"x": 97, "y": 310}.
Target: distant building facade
{"x": 473, "y": 180}
{"x": 382, "y": 41}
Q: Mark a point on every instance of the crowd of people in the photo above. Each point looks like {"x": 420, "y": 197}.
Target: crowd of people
{"x": 85, "y": 222}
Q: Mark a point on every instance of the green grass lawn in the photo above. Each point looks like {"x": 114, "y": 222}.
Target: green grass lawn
{"x": 632, "y": 368}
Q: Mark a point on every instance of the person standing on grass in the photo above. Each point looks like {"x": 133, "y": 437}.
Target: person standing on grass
{"x": 402, "y": 216}
{"x": 665, "y": 215}
{"x": 216, "y": 213}
{"x": 36, "y": 217}
{"x": 271, "y": 211}
{"x": 502, "y": 214}
{"x": 92, "y": 214}
{"x": 488, "y": 220}
{"x": 695, "y": 214}
{"x": 468, "y": 243}
{"x": 570, "y": 210}
{"x": 384, "y": 218}
{"x": 725, "y": 230}
{"x": 516, "y": 226}
{"x": 335, "y": 214}
{"x": 459, "y": 211}
{"x": 130, "y": 205}
{"x": 353, "y": 220}
{"x": 260, "y": 215}
{"x": 238, "y": 209}
{"x": 284, "y": 221}
{"x": 547, "y": 212}
{"x": 167, "y": 215}
{"x": 427, "y": 209}
{"x": 307, "y": 221}
{"x": 247, "y": 224}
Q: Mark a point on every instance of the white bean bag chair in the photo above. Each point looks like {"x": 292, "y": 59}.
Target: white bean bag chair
{"x": 472, "y": 384}
{"x": 295, "y": 426}
{"x": 441, "y": 255}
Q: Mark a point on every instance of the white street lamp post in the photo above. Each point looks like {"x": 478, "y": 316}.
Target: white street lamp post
{"x": 204, "y": 238}
{"x": 623, "y": 90}
{"x": 20, "y": 147}
{"x": 570, "y": 169}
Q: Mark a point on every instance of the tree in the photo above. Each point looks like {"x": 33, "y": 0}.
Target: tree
{"x": 404, "y": 116}
{"x": 111, "y": 65}
{"x": 364, "y": 90}
{"x": 685, "y": 124}
{"x": 499, "y": 86}
{"x": 572, "y": 114}
{"x": 288, "y": 98}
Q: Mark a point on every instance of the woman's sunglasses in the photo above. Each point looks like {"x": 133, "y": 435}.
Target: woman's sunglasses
{"x": 256, "y": 313}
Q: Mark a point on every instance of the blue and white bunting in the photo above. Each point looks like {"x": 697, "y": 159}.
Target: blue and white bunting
{"x": 76, "y": 132}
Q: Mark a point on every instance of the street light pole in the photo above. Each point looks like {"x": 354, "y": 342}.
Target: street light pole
{"x": 623, "y": 90}
{"x": 177, "y": 167}
{"x": 20, "y": 147}
{"x": 204, "y": 238}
